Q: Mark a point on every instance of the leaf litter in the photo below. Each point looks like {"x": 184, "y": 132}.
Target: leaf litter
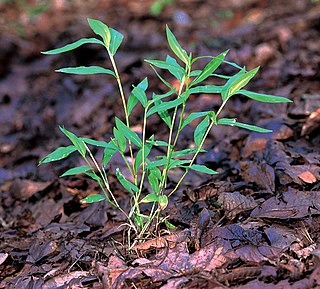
{"x": 255, "y": 225}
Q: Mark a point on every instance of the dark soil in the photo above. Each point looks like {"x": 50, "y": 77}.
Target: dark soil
{"x": 255, "y": 225}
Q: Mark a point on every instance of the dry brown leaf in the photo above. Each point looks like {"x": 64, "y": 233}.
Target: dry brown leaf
{"x": 234, "y": 203}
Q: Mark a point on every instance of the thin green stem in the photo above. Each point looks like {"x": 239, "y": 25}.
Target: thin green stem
{"x": 193, "y": 158}
{"x": 124, "y": 103}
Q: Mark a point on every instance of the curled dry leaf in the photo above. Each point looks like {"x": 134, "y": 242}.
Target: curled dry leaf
{"x": 239, "y": 274}
{"x": 234, "y": 203}
{"x": 168, "y": 241}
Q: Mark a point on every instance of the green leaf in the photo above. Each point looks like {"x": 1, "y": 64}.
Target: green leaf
{"x": 185, "y": 152}
{"x": 150, "y": 198}
{"x": 108, "y": 153}
{"x": 176, "y": 47}
{"x": 95, "y": 177}
{"x": 93, "y": 199}
{"x": 77, "y": 142}
{"x": 264, "y": 97}
{"x": 158, "y": 163}
{"x": 169, "y": 225}
{"x": 210, "y": 68}
{"x": 252, "y": 127}
{"x": 193, "y": 116}
{"x": 175, "y": 73}
{"x": 75, "y": 171}
{"x": 120, "y": 140}
{"x": 132, "y": 101}
{"x": 100, "y": 29}
{"x": 156, "y": 172}
{"x": 161, "y": 78}
{"x": 227, "y": 121}
{"x": 177, "y": 163}
{"x": 86, "y": 70}
{"x": 225, "y": 89}
{"x": 130, "y": 187}
{"x": 203, "y": 169}
{"x": 237, "y": 82}
{"x": 206, "y": 89}
{"x": 164, "y": 114}
{"x": 116, "y": 40}
{"x": 59, "y": 154}
{"x": 201, "y": 130}
{"x": 163, "y": 202}
{"x": 154, "y": 182}
{"x": 156, "y": 97}
{"x": 165, "y": 65}
{"x": 128, "y": 133}
{"x": 140, "y": 94}
{"x": 138, "y": 159}
{"x": 165, "y": 106}
{"x": 198, "y": 72}
{"x": 94, "y": 142}
{"x": 73, "y": 45}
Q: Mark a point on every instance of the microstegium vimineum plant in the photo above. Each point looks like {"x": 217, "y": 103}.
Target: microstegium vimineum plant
{"x": 125, "y": 141}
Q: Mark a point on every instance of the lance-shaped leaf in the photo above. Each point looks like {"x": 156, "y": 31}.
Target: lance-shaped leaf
{"x": 74, "y": 45}
{"x": 128, "y": 133}
{"x": 177, "y": 163}
{"x": 153, "y": 181}
{"x": 93, "y": 199}
{"x": 201, "y": 130}
{"x": 86, "y": 70}
{"x": 133, "y": 100}
{"x": 59, "y": 154}
{"x": 77, "y": 142}
{"x": 165, "y": 106}
{"x": 161, "y": 78}
{"x": 176, "y": 47}
{"x": 165, "y": 65}
{"x": 185, "y": 152}
{"x": 93, "y": 142}
{"x": 234, "y": 84}
{"x": 138, "y": 159}
{"x": 116, "y": 40}
{"x": 100, "y": 29}
{"x": 156, "y": 97}
{"x": 227, "y": 121}
{"x": 175, "y": 73}
{"x": 203, "y": 169}
{"x": 252, "y": 127}
{"x": 263, "y": 97}
{"x": 140, "y": 94}
{"x": 225, "y": 89}
{"x": 206, "y": 89}
{"x": 75, "y": 171}
{"x": 210, "y": 68}
{"x": 193, "y": 116}
{"x": 150, "y": 198}
{"x": 120, "y": 140}
{"x": 130, "y": 187}
{"x": 108, "y": 153}
{"x": 164, "y": 114}
{"x": 95, "y": 178}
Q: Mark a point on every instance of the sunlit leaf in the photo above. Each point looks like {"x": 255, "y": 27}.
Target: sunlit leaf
{"x": 206, "y": 89}
{"x": 252, "y": 127}
{"x": 86, "y": 70}
{"x": 77, "y": 142}
{"x": 132, "y": 101}
{"x": 150, "y": 198}
{"x": 175, "y": 73}
{"x": 264, "y": 97}
{"x": 227, "y": 121}
{"x": 165, "y": 65}
{"x": 59, "y": 154}
{"x": 176, "y": 47}
{"x": 75, "y": 171}
{"x": 100, "y": 29}
{"x": 201, "y": 130}
{"x": 210, "y": 68}
{"x": 193, "y": 116}
{"x": 165, "y": 106}
{"x": 130, "y": 187}
{"x": 203, "y": 169}
{"x": 93, "y": 199}
{"x": 128, "y": 133}
{"x": 116, "y": 40}
{"x": 74, "y": 45}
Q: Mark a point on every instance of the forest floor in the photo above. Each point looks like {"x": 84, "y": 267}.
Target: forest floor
{"x": 254, "y": 225}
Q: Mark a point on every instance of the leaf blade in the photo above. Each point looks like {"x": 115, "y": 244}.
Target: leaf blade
{"x": 86, "y": 70}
